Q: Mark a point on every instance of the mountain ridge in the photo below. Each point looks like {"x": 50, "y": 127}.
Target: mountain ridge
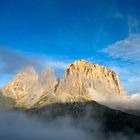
{"x": 29, "y": 89}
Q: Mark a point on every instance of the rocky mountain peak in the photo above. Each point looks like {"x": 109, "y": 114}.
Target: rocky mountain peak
{"x": 29, "y": 70}
{"x": 88, "y": 69}
{"x": 82, "y": 76}
{"x": 28, "y": 87}
{"x": 48, "y": 73}
{"x": 82, "y": 81}
{"x": 47, "y": 79}
{"x": 43, "y": 89}
{"x": 21, "y": 83}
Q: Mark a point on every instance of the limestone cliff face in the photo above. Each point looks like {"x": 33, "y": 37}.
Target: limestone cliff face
{"x": 42, "y": 91}
{"x": 28, "y": 88}
{"x": 87, "y": 81}
{"x": 21, "y": 84}
{"x": 82, "y": 81}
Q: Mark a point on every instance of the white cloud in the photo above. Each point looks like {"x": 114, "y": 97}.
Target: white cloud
{"x": 135, "y": 100}
{"x": 127, "y": 49}
{"x": 126, "y": 53}
{"x": 54, "y": 62}
{"x": 12, "y": 61}
{"x": 133, "y": 24}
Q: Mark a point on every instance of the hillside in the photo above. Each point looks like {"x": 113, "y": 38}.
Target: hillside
{"x": 90, "y": 116}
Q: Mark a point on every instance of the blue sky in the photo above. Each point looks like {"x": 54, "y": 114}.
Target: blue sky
{"x": 57, "y": 32}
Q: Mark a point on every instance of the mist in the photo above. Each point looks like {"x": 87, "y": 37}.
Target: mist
{"x": 16, "y": 125}
{"x": 12, "y": 61}
{"x": 10, "y": 58}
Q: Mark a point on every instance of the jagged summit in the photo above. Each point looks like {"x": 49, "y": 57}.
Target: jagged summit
{"x": 28, "y": 70}
{"x": 48, "y": 72}
{"x": 84, "y": 67}
{"x": 82, "y": 81}
{"x": 21, "y": 83}
{"x": 44, "y": 88}
{"x": 98, "y": 76}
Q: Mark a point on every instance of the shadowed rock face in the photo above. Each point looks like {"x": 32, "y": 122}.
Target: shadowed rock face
{"x": 82, "y": 81}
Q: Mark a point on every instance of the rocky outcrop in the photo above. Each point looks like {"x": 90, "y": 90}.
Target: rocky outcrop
{"x": 95, "y": 76}
{"x": 82, "y": 81}
{"x": 43, "y": 90}
{"x": 21, "y": 84}
{"x": 28, "y": 88}
{"x": 87, "y": 81}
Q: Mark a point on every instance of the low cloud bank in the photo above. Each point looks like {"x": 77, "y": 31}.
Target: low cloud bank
{"x": 12, "y": 61}
{"x": 15, "y": 126}
{"x": 18, "y": 126}
{"x": 128, "y": 102}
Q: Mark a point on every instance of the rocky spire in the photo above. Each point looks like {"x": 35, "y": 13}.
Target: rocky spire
{"x": 21, "y": 83}
{"x": 43, "y": 90}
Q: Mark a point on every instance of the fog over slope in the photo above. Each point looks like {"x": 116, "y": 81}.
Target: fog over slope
{"x": 17, "y": 125}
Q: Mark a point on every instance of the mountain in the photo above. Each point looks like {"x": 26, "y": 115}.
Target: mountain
{"x": 82, "y": 81}
{"x": 77, "y": 100}
{"x": 42, "y": 91}
{"x": 91, "y": 117}
{"x": 21, "y": 84}
{"x": 90, "y": 82}
{"x": 28, "y": 87}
